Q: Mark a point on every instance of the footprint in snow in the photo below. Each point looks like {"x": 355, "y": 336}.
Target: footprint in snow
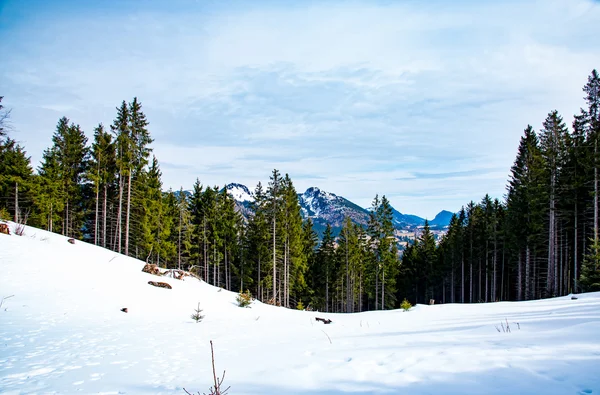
{"x": 586, "y": 391}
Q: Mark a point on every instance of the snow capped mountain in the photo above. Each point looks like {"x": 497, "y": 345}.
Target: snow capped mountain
{"x": 240, "y": 192}
{"x": 324, "y": 207}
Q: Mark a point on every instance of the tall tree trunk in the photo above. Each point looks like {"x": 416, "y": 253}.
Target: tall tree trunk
{"x": 551, "y": 240}
{"x": 96, "y": 227}
{"x": 179, "y": 243}
{"x": 348, "y": 300}
{"x": 383, "y": 288}
{"x": 127, "y": 214}
{"x": 527, "y": 272}
{"x": 16, "y": 202}
{"x": 462, "y": 277}
{"x": 66, "y": 226}
{"x": 274, "y": 259}
{"x": 119, "y": 212}
{"x": 596, "y": 188}
{"x": 520, "y": 277}
{"x": 285, "y": 272}
{"x": 575, "y": 263}
{"x": 471, "y": 283}
{"x": 104, "y": 214}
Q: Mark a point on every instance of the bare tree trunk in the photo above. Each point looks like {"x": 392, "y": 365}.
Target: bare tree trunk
{"x": 462, "y": 277}
{"x": 16, "y": 202}
{"x": 348, "y": 303}
{"x": 520, "y": 277}
{"x": 127, "y": 214}
{"x": 327, "y": 291}
{"x": 471, "y": 283}
{"x": 285, "y": 272}
{"x": 527, "y": 271}
{"x": 119, "y": 212}
{"x": 215, "y": 283}
{"x": 66, "y": 227}
{"x": 205, "y": 249}
{"x": 551, "y": 240}
{"x": 274, "y": 256}
{"x": 377, "y": 286}
{"x": 452, "y": 284}
{"x": 596, "y": 188}
{"x": 179, "y": 243}
{"x": 104, "y": 214}
{"x": 575, "y": 263}
{"x": 383, "y": 289}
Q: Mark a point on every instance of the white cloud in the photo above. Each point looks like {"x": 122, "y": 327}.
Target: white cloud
{"x": 351, "y": 97}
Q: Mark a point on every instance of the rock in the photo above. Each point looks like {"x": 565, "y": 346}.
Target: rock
{"x": 4, "y": 229}
{"x": 151, "y": 268}
{"x": 573, "y": 297}
{"x": 124, "y": 309}
{"x": 72, "y": 241}
{"x": 160, "y": 284}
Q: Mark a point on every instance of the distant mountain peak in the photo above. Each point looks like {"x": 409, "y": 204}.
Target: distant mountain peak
{"x": 240, "y": 192}
{"x": 442, "y": 218}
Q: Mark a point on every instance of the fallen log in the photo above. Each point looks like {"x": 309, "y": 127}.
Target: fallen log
{"x": 324, "y": 320}
{"x": 160, "y": 284}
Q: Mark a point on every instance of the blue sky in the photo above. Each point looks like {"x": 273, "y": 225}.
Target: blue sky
{"x": 424, "y": 102}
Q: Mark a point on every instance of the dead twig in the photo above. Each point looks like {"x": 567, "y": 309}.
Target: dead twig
{"x": 327, "y": 336}
{"x": 4, "y": 298}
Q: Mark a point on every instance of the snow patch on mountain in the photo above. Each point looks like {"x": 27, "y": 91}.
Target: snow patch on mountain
{"x": 240, "y": 192}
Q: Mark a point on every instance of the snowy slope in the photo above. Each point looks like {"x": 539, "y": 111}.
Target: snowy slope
{"x": 62, "y": 332}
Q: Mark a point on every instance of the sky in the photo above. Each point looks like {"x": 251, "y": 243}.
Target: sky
{"x": 423, "y": 102}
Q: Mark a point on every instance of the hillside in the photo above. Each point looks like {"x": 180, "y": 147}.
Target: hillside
{"x": 63, "y": 332}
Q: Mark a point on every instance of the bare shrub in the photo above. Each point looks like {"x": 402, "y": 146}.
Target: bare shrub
{"x": 216, "y": 389}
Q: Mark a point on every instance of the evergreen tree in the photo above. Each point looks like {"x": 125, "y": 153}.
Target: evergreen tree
{"x": 16, "y": 180}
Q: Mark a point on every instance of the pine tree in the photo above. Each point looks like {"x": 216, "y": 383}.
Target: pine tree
{"x": 552, "y": 144}
{"x": 4, "y": 116}
{"x": 16, "y": 180}
{"x": 274, "y": 211}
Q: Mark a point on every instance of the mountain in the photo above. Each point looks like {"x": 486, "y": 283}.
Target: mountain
{"x": 325, "y": 207}
{"x": 240, "y": 192}
{"x": 243, "y": 198}
{"x": 442, "y": 219}
{"x": 404, "y": 221}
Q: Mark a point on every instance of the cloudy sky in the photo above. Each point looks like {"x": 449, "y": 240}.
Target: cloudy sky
{"x": 423, "y": 101}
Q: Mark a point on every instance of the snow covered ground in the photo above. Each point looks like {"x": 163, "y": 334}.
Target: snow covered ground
{"x": 63, "y": 332}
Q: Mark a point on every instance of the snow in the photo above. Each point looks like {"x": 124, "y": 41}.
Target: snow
{"x": 63, "y": 332}
{"x": 313, "y": 198}
{"x": 240, "y": 193}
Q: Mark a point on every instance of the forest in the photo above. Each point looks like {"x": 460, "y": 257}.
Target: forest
{"x": 540, "y": 240}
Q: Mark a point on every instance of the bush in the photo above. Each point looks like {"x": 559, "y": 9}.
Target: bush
{"x": 244, "y": 299}
{"x": 300, "y": 306}
{"x": 405, "y": 305}
{"x": 4, "y": 214}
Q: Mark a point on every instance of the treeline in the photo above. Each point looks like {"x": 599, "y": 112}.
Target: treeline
{"x": 542, "y": 241}
{"x": 109, "y": 193}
